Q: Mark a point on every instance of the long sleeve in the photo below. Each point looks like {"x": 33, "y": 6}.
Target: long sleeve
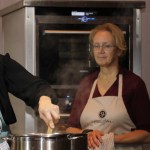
{"x": 18, "y": 81}
{"x": 24, "y": 85}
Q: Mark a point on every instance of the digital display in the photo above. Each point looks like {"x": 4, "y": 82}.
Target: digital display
{"x": 77, "y": 13}
{"x": 83, "y": 13}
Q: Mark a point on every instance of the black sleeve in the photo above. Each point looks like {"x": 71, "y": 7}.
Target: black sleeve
{"x": 23, "y": 84}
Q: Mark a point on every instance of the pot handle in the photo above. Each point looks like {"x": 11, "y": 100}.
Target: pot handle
{"x": 7, "y": 138}
{"x": 73, "y": 137}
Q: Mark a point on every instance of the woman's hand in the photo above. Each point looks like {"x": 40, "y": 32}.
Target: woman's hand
{"x": 48, "y": 111}
{"x": 94, "y": 138}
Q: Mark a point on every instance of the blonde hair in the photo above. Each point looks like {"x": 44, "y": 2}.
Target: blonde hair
{"x": 116, "y": 32}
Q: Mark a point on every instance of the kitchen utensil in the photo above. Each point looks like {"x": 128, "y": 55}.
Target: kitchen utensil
{"x": 55, "y": 141}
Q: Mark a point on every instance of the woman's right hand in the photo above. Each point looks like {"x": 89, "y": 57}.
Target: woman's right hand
{"x": 94, "y": 138}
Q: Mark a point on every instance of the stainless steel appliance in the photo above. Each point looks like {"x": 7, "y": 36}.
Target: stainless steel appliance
{"x": 48, "y": 142}
{"x": 63, "y": 50}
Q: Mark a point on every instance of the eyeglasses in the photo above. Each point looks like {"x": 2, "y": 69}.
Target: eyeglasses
{"x": 106, "y": 47}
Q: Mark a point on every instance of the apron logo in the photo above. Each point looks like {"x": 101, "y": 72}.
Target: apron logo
{"x": 102, "y": 113}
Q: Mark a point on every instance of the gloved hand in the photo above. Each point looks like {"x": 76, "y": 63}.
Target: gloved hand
{"x": 48, "y": 111}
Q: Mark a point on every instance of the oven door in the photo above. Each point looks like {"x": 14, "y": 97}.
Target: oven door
{"x": 64, "y": 56}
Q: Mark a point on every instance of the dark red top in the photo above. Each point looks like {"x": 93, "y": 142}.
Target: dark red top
{"x": 135, "y": 96}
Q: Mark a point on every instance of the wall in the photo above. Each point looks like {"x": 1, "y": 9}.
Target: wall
{"x": 1, "y": 42}
{"x": 145, "y": 45}
{"x": 5, "y": 3}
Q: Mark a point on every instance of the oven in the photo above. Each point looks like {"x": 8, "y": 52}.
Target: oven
{"x": 63, "y": 50}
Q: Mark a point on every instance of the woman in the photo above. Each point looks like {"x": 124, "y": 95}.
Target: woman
{"x": 112, "y": 100}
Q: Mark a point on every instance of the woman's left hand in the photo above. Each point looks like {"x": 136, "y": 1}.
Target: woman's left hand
{"x": 94, "y": 138}
{"x": 48, "y": 111}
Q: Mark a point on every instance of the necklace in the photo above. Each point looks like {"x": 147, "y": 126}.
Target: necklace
{"x": 104, "y": 83}
{"x": 106, "y": 79}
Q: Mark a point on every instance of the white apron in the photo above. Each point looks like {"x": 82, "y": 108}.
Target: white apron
{"x": 108, "y": 114}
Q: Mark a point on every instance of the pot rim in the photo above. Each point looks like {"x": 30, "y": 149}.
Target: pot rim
{"x": 48, "y": 135}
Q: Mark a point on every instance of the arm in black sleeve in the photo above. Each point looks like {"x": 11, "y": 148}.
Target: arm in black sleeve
{"x": 24, "y": 85}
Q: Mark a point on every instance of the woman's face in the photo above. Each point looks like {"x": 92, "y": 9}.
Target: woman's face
{"x": 104, "y": 49}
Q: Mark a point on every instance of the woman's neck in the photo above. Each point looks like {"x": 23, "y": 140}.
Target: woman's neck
{"x": 108, "y": 72}
{"x": 106, "y": 78}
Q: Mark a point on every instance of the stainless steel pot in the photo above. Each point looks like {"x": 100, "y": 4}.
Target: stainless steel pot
{"x": 56, "y": 141}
